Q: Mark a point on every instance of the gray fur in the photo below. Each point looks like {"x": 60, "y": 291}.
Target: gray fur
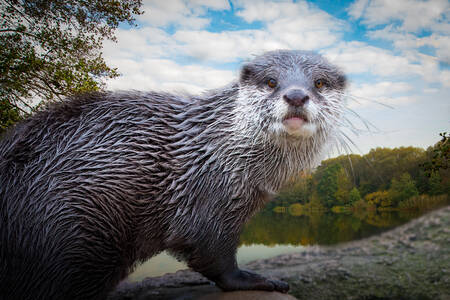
{"x": 97, "y": 183}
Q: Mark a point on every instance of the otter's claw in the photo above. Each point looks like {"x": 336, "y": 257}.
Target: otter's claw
{"x": 246, "y": 280}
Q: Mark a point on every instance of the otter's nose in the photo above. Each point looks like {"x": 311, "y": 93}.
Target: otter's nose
{"x": 296, "y": 97}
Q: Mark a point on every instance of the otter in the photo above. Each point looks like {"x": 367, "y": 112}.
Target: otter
{"x": 95, "y": 184}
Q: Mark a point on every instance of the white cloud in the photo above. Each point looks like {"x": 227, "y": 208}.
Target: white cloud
{"x": 430, "y": 90}
{"x": 357, "y": 8}
{"x": 182, "y": 13}
{"x": 270, "y": 11}
{"x": 167, "y": 75}
{"x": 440, "y": 43}
{"x": 140, "y": 42}
{"x": 230, "y": 46}
{"x": 414, "y": 15}
{"x": 287, "y": 25}
{"x": 300, "y": 27}
{"x": 212, "y": 4}
{"x": 445, "y": 78}
{"x": 410, "y": 44}
{"x": 225, "y": 46}
{"x": 385, "y": 92}
{"x": 358, "y": 57}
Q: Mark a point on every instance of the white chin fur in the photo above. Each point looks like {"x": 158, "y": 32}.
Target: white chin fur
{"x": 306, "y": 130}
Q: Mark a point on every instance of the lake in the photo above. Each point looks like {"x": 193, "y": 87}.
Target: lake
{"x": 269, "y": 234}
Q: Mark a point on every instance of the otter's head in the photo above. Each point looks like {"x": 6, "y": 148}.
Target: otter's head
{"x": 291, "y": 95}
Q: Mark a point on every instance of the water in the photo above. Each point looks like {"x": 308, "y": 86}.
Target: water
{"x": 269, "y": 234}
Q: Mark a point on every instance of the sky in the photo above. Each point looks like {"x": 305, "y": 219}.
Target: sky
{"x": 396, "y": 55}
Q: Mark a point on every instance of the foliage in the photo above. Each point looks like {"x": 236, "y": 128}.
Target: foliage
{"x": 375, "y": 170}
{"x": 344, "y": 184}
{"x": 435, "y": 184}
{"x": 440, "y": 156}
{"x": 402, "y": 188}
{"x": 51, "y": 48}
{"x": 378, "y": 199}
{"x": 315, "y": 204}
{"x": 296, "y": 191}
{"x": 354, "y": 196}
{"x": 379, "y": 180}
{"x": 328, "y": 184}
{"x": 8, "y": 115}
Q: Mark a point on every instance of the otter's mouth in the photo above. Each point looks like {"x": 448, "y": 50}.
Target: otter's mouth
{"x": 294, "y": 122}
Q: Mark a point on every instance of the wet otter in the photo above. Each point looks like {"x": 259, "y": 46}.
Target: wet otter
{"x": 94, "y": 184}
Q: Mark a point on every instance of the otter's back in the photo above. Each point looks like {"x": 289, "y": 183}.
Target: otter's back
{"x": 71, "y": 178}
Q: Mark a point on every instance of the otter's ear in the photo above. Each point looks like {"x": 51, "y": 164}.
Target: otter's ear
{"x": 247, "y": 72}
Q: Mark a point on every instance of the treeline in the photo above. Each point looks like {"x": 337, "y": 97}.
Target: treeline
{"x": 382, "y": 179}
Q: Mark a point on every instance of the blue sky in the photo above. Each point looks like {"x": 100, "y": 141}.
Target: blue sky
{"x": 396, "y": 55}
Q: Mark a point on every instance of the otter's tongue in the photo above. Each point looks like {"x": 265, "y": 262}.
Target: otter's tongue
{"x": 294, "y": 123}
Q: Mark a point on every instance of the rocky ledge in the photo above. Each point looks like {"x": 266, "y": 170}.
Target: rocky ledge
{"x": 409, "y": 262}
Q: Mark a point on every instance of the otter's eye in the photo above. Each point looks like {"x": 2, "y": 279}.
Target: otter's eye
{"x": 319, "y": 83}
{"x": 272, "y": 83}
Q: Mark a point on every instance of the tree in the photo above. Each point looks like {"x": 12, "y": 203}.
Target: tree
{"x": 344, "y": 186}
{"x": 297, "y": 190}
{"x": 51, "y": 48}
{"x": 439, "y": 156}
{"x": 328, "y": 184}
{"x": 8, "y": 114}
{"x": 354, "y": 196}
{"x": 435, "y": 184}
{"x": 402, "y": 188}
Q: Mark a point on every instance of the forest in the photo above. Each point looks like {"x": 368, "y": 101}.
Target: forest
{"x": 383, "y": 179}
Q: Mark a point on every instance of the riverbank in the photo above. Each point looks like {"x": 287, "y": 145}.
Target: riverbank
{"x": 409, "y": 262}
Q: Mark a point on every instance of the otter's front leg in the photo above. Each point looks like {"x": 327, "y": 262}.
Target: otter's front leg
{"x": 219, "y": 265}
{"x": 238, "y": 279}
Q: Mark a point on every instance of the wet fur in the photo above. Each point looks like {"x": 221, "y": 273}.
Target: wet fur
{"x": 95, "y": 184}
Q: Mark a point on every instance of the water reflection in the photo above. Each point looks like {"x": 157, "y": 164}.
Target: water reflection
{"x": 164, "y": 263}
{"x": 318, "y": 228}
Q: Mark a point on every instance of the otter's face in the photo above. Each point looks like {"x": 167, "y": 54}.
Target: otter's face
{"x": 294, "y": 94}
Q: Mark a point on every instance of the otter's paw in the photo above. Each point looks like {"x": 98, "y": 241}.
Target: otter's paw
{"x": 246, "y": 280}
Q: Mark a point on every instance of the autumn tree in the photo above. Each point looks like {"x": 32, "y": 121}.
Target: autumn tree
{"x": 378, "y": 199}
{"x": 51, "y": 48}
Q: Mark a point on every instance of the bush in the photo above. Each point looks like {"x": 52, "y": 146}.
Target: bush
{"x": 378, "y": 199}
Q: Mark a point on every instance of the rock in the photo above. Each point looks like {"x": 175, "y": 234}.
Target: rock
{"x": 247, "y": 295}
